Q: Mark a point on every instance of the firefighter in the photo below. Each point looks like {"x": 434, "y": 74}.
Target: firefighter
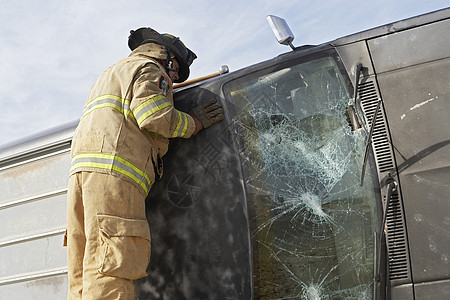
{"x": 117, "y": 147}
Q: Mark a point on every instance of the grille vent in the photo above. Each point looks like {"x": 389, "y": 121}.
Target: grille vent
{"x": 399, "y": 268}
{"x": 398, "y": 259}
{"x": 381, "y": 145}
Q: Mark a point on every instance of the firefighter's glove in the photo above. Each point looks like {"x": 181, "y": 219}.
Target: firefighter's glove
{"x": 209, "y": 113}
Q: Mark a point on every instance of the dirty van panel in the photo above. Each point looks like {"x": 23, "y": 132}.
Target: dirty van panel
{"x": 410, "y": 47}
{"x": 414, "y": 82}
{"x": 312, "y": 224}
{"x": 198, "y": 219}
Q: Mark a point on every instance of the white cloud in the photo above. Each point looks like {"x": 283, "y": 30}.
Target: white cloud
{"x": 53, "y": 51}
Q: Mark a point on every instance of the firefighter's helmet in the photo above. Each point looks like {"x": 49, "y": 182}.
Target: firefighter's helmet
{"x": 173, "y": 45}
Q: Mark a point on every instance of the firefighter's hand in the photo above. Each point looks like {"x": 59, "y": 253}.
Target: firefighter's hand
{"x": 209, "y": 113}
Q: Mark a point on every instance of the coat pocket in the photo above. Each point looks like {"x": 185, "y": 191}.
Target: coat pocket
{"x": 124, "y": 247}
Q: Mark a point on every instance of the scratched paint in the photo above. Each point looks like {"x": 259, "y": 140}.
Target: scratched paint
{"x": 423, "y": 103}
{"x": 419, "y": 105}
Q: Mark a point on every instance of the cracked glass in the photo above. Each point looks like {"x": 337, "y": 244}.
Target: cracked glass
{"x": 312, "y": 224}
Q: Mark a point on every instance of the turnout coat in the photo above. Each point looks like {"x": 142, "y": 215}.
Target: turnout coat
{"x": 127, "y": 120}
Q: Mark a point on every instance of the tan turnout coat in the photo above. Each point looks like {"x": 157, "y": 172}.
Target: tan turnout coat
{"x": 128, "y": 118}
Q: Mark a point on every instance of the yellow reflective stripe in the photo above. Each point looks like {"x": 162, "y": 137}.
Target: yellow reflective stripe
{"x": 149, "y": 107}
{"x": 175, "y": 132}
{"x": 182, "y": 125}
{"x": 112, "y": 162}
{"x": 111, "y": 101}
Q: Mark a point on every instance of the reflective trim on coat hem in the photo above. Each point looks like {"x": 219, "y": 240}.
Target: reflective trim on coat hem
{"x": 105, "y": 161}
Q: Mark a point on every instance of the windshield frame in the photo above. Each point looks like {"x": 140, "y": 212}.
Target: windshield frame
{"x": 292, "y": 59}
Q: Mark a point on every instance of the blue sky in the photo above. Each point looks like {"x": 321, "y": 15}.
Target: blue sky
{"x": 53, "y": 51}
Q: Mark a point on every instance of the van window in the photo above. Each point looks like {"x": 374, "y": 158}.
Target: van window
{"x": 312, "y": 224}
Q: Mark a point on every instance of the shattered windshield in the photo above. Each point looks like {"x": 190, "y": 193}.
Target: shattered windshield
{"x": 312, "y": 224}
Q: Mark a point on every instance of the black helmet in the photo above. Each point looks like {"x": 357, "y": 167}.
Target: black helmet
{"x": 184, "y": 56}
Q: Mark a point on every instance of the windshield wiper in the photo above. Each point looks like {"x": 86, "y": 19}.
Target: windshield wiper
{"x": 369, "y": 141}
{"x": 391, "y": 186}
{"x": 358, "y": 70}
{"x": 391, "y": 189}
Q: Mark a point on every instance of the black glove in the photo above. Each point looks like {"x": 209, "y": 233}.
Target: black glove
{"x": 209, "y": 113}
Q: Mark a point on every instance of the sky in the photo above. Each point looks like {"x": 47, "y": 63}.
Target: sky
{"x": 52, "y": 52}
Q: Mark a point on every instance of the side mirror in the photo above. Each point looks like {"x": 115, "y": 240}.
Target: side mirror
{"x": 281, "y": 30}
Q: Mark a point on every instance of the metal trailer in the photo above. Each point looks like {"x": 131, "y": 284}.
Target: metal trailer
{"x": 33, "y": 176}
{"x": 328, "y": 179}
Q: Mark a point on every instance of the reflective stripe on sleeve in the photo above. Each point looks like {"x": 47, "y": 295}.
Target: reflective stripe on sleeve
{"x": 182, "y": 125}
{"x": 112, "y": 162}
{"x": 111, "y": 101}
{"x": 149, "y": 107}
